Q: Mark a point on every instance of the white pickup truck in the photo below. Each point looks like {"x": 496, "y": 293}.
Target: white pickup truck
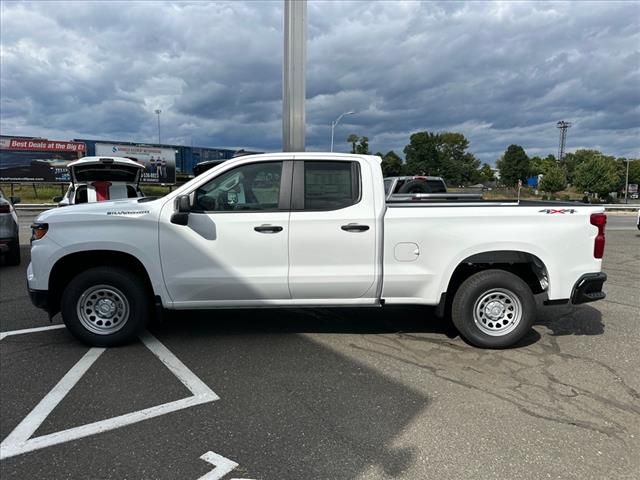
{"x": 311, "y": 230}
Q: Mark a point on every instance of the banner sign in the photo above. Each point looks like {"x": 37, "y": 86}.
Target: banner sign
{"x": 44, "y": 145}
{"x": 37, "y": 159}
{"x": 160, "y": 163}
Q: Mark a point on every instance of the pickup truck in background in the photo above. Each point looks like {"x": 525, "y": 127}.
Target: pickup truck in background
{"x": 311, "y": 230}
{"x": 414, "y": 184}
{"x": 423, "y": 188}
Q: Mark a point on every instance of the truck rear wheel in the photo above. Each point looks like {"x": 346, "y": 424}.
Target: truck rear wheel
{"x": 493, "y": 309}
{"x": 105, "y": 307}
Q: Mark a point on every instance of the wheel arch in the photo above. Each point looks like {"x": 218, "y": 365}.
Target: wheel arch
{"x": 70, "y": 265}
{"x": 526, "y": 265}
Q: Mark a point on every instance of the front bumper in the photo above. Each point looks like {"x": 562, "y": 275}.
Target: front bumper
{"x": 40, "y": 298}
{"x": 588, "y": 288}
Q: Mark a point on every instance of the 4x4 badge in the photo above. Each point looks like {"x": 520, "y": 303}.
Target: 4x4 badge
{"x": 559, "y": 210}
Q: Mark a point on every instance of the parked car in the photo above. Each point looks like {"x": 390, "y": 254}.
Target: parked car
{"x": 9, "y": 231}
{"x": 96, "y": 179}
{"x": 307, "y": 230}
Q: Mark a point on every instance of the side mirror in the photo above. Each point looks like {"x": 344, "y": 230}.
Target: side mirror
{"x": 183, "y": 207}
{"x": 14, "y": 200}
{"x": 57, "y": 199}
{"x": 183, "y": 204}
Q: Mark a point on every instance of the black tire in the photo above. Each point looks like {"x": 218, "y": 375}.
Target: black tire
{"x": 414, "y": 186}
{"x": 122, "y": 291}
{"x": 12, "y": 257}
{"x": 493, "y": 309}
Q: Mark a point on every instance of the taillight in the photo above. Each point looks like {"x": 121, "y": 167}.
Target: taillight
{"x": 599, "y": 220}
{"x": 5, "y": 208}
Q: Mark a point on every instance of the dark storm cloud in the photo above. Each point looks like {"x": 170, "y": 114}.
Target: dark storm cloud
{"x": 500, "y": 73}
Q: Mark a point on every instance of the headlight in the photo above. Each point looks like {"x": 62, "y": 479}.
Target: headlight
{"x": 38, "y": 230}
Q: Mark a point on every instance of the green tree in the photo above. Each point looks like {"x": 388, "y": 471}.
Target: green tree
{"x": 421, "y": 154}
{"x": 514, "y": 165}
{"x": 597, "y": 174}
{"x": 442, "y": 154}
{"x": 353, "y": 139}
{"x": 539, "y": 165}
{"x": 486, "y": 173}
{"x": 554, "y": 179}
{"x": 363, "y": 146}
{"x": 391, "y": 164}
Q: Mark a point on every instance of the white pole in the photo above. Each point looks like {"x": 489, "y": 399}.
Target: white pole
{"x": 333, "y": 126}
{"x": 626, "y": 184}
{"x": 158, "y": 112}
{"x": 293, "y": 84}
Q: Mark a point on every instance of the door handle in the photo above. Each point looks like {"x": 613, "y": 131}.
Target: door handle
{"x": 354, "y": 227}
{"x": 268, "y": 229}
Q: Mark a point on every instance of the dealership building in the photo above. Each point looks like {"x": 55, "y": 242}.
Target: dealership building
{"x": 35, "y": 159}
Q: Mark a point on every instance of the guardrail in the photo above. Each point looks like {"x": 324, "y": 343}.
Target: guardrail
{"x": 617, "y": 206}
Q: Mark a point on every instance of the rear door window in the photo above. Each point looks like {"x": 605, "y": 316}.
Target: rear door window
{"x": 330, "y": 185}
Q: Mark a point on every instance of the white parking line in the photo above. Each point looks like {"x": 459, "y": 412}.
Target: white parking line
{"x": 39, "y": 414}
{"x": 222, "y": 466}
{"x": 19, "y": 441}
{"x": 31, "y": 330}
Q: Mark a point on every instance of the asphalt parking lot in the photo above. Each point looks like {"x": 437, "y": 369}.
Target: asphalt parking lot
{"x": 328, "y": 394}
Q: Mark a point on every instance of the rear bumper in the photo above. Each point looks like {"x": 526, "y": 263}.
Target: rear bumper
{"x": 588, "y": 288}
{"x": 7, "y": 243}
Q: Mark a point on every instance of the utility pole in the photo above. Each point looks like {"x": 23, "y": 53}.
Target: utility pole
{"x": 626, "y": 184}
{"x": 158, "y": 112}
{"x": 293, "y": 84}
{"x": 563, "y": 126}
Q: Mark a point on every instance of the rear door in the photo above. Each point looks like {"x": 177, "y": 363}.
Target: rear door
{"x": 332, "y": 232}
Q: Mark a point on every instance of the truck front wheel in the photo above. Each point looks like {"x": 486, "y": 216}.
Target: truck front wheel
{"x": 105, "y": 307}
{"x": 493, "y": 309}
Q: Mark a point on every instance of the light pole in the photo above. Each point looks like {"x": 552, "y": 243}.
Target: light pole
{"x": 335, "y": 122}
{"x": 158, "y": 112}
{"x": 626, "y": 180}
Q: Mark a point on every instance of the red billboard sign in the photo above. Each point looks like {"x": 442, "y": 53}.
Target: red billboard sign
{"x": 37, "y": 159}
{"x": 45, "y": 145}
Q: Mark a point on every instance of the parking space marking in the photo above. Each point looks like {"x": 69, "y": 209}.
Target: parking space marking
{"x": 31, "y": 330}
{"x": 223, "y": 466}
{"x": 19, "y": 441}
{"x": 39, "y": 414}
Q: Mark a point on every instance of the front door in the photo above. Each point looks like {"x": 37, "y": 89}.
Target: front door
{"x": 234, "y": 249}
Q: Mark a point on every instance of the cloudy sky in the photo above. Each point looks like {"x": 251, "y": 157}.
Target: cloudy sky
{"x": 499, "y": 72}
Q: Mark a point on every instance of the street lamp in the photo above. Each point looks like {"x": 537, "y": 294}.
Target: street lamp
{"x": 335, "y": 122}
{"x": 158, "y": 112}
{"x": 626, "y": 182}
